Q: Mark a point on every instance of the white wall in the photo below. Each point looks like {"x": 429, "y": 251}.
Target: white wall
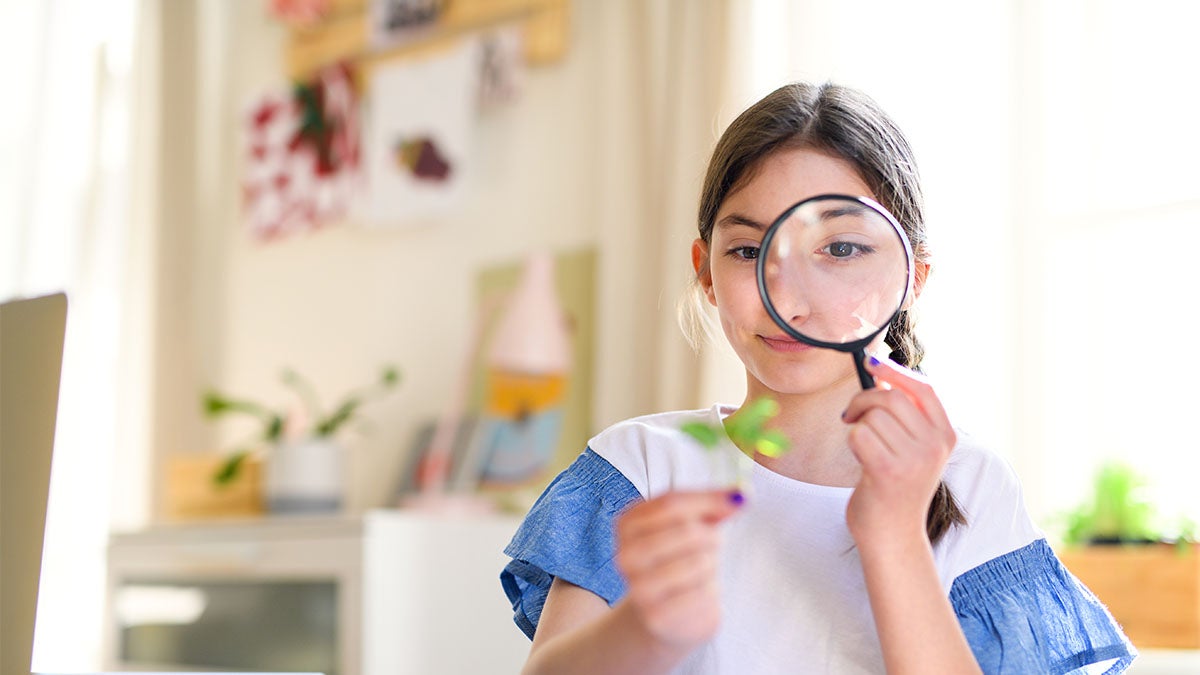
{"x": 338, "y": 302}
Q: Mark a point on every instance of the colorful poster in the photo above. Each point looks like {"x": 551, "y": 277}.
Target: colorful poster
{"x": 532, "y": 425}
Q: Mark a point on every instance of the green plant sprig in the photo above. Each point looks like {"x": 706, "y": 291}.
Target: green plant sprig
{"x": 747, "y": 428}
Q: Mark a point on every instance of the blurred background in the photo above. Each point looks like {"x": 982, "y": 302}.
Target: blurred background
{"x": 230, "y": 188}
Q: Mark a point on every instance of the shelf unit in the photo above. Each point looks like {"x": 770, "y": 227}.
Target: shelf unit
{"x": 390, "y": 591}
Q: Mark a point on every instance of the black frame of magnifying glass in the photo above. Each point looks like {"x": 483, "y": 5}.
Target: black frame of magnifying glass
{"x": 856, "y": 348}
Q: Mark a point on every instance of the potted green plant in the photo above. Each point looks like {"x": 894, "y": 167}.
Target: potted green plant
{"x": 304, "y": 462}
{"x": 1142, "y": 566}
{"x": 1118, "y": 511}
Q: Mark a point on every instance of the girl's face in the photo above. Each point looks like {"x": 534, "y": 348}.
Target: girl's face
{"x": 726, "y": 267}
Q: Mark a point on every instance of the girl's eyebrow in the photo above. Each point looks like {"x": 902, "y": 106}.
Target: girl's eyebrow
{"x": 738, "y": 219}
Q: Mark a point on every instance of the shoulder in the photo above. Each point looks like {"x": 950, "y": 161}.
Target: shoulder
{"x": 1019, "y": 608}
{"x": 979, "y": 477}
{"x": 988, "y": 491}
{"x": 654, "y": 454}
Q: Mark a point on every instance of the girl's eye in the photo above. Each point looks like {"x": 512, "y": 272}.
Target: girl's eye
{"x": 846, "y": 249}
{"x": 745, "y": 252}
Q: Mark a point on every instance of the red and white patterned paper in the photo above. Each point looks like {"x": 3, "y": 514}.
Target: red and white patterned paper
{"x": 302, "y": 172}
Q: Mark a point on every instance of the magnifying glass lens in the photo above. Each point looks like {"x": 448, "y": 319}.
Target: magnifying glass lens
{"x": 836, "y": 270}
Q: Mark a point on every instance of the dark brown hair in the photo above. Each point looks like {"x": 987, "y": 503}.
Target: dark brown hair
{"x": 847, "y": 124}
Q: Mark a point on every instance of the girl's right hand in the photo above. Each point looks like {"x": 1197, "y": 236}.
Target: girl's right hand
{"x": 667, "y": 550}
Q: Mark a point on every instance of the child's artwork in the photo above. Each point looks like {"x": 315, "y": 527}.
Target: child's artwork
{"x": 394, "y": 22}
{"x": 419, "y": 121}
{"x": 300, "y": 13}
{"x": 302, "y": 166}
{"x": 531, "y": 426}
{"x": 502, "y": 66}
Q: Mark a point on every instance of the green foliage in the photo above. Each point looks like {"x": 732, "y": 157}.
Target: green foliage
{"x": 215, "y": 405}
{"x": 747, "y": 428}
{"x": 1119, "y": 511}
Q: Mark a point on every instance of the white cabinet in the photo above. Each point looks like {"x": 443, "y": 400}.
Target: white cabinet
{"x": 385, "y": 593}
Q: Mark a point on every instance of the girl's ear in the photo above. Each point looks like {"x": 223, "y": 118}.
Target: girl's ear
{"x": 703, "y": 273}
{"x": 921, "y": 272}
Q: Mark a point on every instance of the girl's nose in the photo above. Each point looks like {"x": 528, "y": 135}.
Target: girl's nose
{"x": 785, "y": 287}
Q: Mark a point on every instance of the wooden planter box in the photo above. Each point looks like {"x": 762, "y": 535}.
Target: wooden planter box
{"x": 191, "y": 495}
{"x": 1152, "y": 590}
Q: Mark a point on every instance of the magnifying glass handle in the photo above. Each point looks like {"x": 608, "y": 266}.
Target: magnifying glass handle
{"x": 864, "y": 378}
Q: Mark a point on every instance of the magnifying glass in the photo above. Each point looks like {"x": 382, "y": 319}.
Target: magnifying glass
{"x": 833, "y": 271}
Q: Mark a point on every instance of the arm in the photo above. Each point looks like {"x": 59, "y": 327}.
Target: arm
{"x": 918, "y": 630}
{"x": 667, "y": 551}
{"x": 902, "y": 438}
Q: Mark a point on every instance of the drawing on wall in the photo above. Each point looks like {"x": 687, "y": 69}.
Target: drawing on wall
{"x": 395, "y": 22}
{"x": 302, "y": 158}
{"x": 422, "y": 159}
{"x": 501, "y": 65}
{"x": 300, "y": 13}
{"x": 420, "y": 116}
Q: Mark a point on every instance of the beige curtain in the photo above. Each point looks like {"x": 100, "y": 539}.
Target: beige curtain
{"x": 665, "y": 96}
{"x": 70, "y": 139}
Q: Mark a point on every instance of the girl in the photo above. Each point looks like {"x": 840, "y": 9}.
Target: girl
{"x": 884, "y": 541}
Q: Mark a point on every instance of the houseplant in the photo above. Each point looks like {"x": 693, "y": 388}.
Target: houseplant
{"x": 1142, "y": 567}
{"x": 304, "y": 462}
{"x": 1118, "y": 511}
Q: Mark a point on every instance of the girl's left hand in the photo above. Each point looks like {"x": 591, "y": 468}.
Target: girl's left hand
{"x": 902, "y": 438}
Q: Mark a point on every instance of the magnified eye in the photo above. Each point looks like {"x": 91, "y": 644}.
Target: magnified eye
{"x": 846, "y": 249}
{"x": 841, "y": 249}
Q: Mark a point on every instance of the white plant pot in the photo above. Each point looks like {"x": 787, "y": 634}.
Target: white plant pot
{"x": 306, "y": 476}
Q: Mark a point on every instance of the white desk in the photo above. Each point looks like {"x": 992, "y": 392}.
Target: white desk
{"x": 1166, "y": 662}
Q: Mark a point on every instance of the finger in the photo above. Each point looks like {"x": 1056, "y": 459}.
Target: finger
{"x": 895, "y": 438}
{"x": 870, "y": 449}
{"x": 674, "y": 508}
{"x": 675, "y": 578}
{"x": 913, "y": 384}
{"x": 895, "y": 402}
{"x": 660, "y": 547}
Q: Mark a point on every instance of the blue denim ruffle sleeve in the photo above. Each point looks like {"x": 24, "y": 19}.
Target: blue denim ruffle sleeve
{"x": 1023, "y": 612}
{"x": 569, "y": 534}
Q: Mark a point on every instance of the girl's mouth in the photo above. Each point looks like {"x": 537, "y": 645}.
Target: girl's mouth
{"x": 784, "y": 344}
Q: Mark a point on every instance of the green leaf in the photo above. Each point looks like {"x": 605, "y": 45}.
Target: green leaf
{"x": 747, "y": 428}
{"x": 772, "y": 443}
{"x": 215, "y": 404}
{"x": 391, "y": 375}
{"x": 330, "y": 425}
{"x": 705, "y": 434}
{"x": 274, "y": 429}
{"x": 230, "y": 468}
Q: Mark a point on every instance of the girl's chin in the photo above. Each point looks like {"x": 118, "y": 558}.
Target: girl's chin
{"x": 799, "y": 381}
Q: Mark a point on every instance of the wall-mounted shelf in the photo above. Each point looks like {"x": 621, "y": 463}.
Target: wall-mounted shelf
{"x": 344, "y": 34}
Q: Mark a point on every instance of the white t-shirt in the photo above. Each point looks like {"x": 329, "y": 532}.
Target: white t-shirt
{"x": 793, "y": 593}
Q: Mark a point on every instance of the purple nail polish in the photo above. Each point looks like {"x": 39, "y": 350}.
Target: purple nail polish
{"x": 874, "y": 361}
{"x": 737, "y": 497}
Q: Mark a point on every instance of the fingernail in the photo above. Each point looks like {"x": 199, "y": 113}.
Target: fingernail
{"x": 737, "y": 497}
{"x": 874, "y": 361}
